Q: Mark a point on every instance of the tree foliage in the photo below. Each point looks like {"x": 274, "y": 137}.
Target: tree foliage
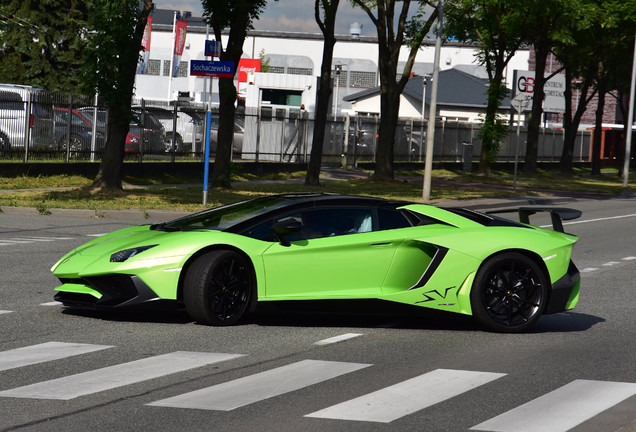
{"x": 237, "y": 16}
{"x": 498, "y": 28}
{"x": 43, "y": 42}
{"x": 395, "y": 27}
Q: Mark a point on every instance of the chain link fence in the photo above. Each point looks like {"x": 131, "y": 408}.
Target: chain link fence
{"x": 40, "y": 126}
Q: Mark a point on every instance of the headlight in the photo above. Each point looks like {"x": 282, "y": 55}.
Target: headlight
{"x": 123, "y": 255}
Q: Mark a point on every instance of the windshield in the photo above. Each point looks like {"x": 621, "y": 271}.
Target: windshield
{"x": 222, "y": 218}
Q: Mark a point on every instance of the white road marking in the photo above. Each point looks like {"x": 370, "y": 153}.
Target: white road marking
{"x": 28, "y": 240}
{"x": 95, "y": 235}
{"x": 116, "y": 376}
{"x": 599, "y": 219}
{"x": 5, "y": 312}
{"x": 407, "y": 397}
{"x": 53, "y": 303}
{"x": 337, "y": 339}
{"x": 44, "y": 352}
{"x": 562, "y": 409}
{"x": 589, "y": 269}
{"x": 264, "y": 385}
{"x": 610, "y": 263}
{"x": 629, "y": 258}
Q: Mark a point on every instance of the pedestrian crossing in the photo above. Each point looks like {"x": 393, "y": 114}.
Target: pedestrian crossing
{"x": 561, "y": 409}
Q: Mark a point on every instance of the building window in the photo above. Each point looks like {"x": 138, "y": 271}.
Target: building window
{"x": 153, "y": 67}
{"x": 183, "y": 69}
{"x": 181, "y": 72}
{"x": 341, "y": 78}
{"x": 299, "y": 71}
{"x": 362, "y": 79}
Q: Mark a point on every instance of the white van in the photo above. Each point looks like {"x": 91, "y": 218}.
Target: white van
{"x": 26, "y": 118}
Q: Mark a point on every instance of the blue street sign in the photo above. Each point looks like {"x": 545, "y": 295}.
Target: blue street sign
{"x": 221, "y": 69}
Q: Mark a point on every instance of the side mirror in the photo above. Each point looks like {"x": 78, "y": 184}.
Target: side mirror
{"x": 285, "y": 227}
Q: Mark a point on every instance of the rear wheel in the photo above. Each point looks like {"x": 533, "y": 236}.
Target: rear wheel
{"x": 218, "y": 288}
{"x": 509, "y": 293}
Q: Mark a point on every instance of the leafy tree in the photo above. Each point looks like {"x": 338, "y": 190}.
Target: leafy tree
{"x": 394, "y": 31}
{"x": 111, "y": 66}
{"x": 42, "y": 42}
{"x": 551, "y": 21}
{"x": 238, "y": 16}
{"x": 576, "y": 53}
{"x": 327, "y": 25}
{"x": 614, "y": 38}
{"x": 498, "y": 28}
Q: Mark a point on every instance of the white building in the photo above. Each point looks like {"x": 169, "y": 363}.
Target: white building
{"x": 289, "y": 53}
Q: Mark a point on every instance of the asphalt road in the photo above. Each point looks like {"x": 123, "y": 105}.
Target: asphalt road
{"x": 284, "y": 372}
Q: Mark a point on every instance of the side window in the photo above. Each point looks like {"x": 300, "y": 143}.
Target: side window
{"x": 321, "y": 222}
{"x": 392, "y": 219}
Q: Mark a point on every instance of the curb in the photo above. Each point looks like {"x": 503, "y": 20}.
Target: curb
{"x": 128, "y": 214}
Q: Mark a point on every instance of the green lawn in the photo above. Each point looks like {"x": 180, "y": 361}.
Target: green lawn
{"x": 185, "y": 193}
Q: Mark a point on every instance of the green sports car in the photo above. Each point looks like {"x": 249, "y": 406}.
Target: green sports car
{"x": 315, "y": 246}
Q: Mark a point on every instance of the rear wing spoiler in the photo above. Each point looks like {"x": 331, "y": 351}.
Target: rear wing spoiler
{"x": 557, "y": 214}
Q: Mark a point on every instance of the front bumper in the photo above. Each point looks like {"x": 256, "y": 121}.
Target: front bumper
{"x": 105, "y": 292}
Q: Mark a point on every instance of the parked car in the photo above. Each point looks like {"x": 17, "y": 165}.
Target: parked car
{"x": 80, "y": 133}
{"x": 153, "y": 131}
{"x": 26, "y": 114}
{"x": 237, "y": 140}
{"x": 186, "y": 133}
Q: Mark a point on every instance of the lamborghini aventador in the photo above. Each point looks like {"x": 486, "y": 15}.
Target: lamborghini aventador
{"x": 220, "y": 262}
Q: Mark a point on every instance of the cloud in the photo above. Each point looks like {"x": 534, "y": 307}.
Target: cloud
{"x": 287, "y": 15}
{"x": 285, "y": 23}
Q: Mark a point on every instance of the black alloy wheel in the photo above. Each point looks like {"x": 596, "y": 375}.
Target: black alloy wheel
{"x": 509, "y": 293}
{"x": 218, "y": 288}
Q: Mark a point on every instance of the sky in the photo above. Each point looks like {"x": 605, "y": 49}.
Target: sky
{"x": 288, "y": 15}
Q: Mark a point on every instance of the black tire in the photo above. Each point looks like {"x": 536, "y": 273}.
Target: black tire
{"x": 218, "y": 288}
{"x": 509, "y": 293}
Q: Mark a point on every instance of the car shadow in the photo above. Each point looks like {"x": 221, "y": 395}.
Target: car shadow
{"x": 345, "y": 313}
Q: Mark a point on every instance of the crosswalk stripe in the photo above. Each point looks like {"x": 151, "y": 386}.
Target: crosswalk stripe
{"x": 561, "y": 409}
{"x": 336, "y": 339}
{"x": 264, "y": 385}
{"x": 44, "y": 352}
{"x": 116, "y": 376}
{"x": 407, "y": 397}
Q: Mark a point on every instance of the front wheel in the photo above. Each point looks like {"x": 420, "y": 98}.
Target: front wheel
{"x": 509, "y": 293}
{"x": 218, "y": 288}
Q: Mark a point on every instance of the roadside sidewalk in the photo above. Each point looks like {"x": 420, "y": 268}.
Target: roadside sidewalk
{"x": 548, "y": 197}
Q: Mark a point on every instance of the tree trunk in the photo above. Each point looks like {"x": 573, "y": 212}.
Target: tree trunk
{"x": 221, "y": 171}
{"x": 490, "y": 140}
{"x": 110, "y": 170}
{"x": 534, "y": 124}
{"x": 390, "y": 108}
{"x": 571, "y": 122}
{"x": 119, "y": 113}
{"x": 598, "y": 130}
{"x": 322, "y": 108}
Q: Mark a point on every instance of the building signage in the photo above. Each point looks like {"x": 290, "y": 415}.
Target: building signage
{"x": 221, "y": 69}
{"x": 554, "y": 102}
{"x": 246, "y": 67}
{"x": 212, "y": 48}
